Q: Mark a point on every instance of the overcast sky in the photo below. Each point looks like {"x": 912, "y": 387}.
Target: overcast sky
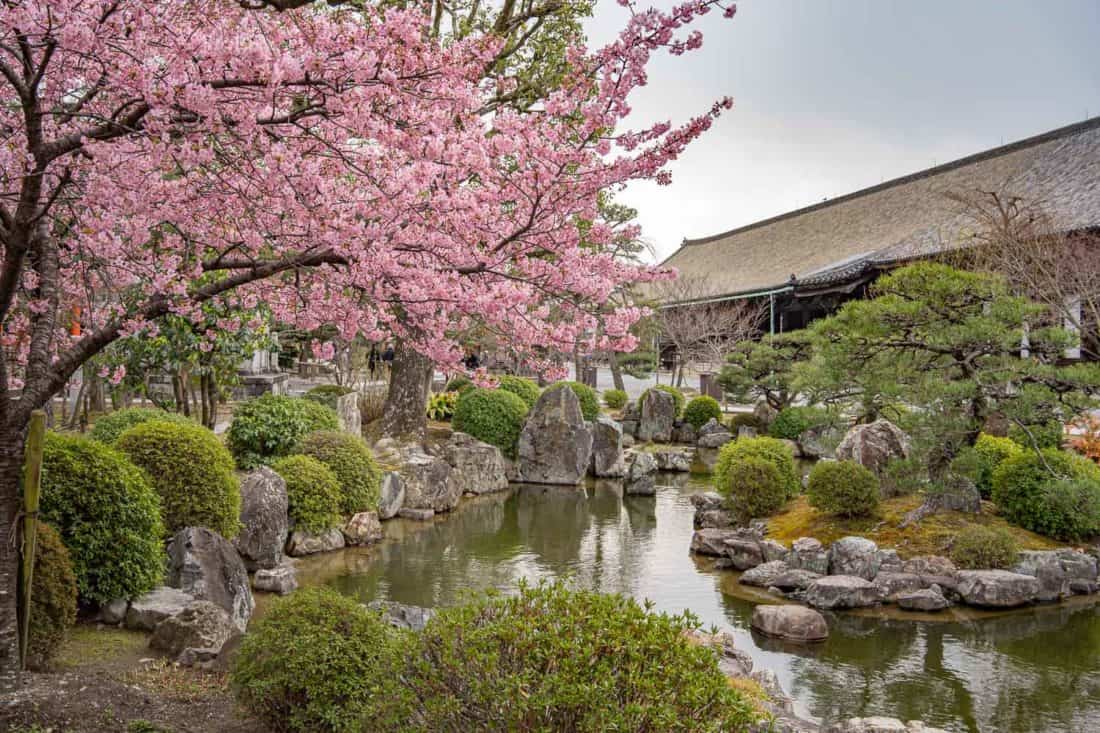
{"x": 834, "y": 95}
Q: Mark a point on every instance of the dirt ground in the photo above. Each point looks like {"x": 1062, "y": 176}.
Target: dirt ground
{"x": 107, "y": 679}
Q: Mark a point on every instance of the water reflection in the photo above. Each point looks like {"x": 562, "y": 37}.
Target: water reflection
{"x": 1031, "y": 671}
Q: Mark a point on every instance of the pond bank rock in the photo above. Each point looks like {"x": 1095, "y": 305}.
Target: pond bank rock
{"x": 808, "y": 553}
{"x": 607, "y": 448}
{"x": 204, "y": 564}
{"x": 926, "y": 599}
{"x": 401, "y": 616}
{"x": 429, "y": 482}
{"x": 639, "y": 474}
{"x": 200, "y": 625}
{"x": 854, "y": 556}
{"x": 997, "y": 588}
{"x": 263, "y": 519}
{"x": 789, "y": 622}
{"x": 303, "y": 543}
{"x": 391, "y": 496}
{"x": 363, "y": 528}
{"x": 880, "y": 724}
{"x": 841, "y": 591}
{"x": 555, "y": 445}
{"x": 656, "y": 416}
{"x": 281, "y": 580}
{"x": 476, "y": 467}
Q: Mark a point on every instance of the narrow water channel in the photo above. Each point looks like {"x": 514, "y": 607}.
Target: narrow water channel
{"x": 1020, "y": 672}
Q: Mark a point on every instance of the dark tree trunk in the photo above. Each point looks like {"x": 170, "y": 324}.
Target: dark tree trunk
{"x": 11, "y": 461}
{"x": 405, "y": 412}
{"x": 208, "y": 406}
{"x": 97, "y": 399}
{"x": 617, "y": 372}
{"x": 182, "y": 405}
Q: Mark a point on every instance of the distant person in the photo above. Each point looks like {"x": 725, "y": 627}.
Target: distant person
{"x": 387, "y": 357}
{"x": 472, "y": 362}
{"x": 372, "y": 361}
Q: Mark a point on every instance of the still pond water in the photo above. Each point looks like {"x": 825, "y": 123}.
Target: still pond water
{"x": 1033, "y": 670}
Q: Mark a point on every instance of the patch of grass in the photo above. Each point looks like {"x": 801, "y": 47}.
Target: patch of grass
{"x": 170, "y": 681}
{"x": 86, "y": 644}
{"x": 931, "y": 536}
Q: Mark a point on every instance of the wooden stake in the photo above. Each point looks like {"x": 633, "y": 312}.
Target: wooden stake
{"x": 32, "y": 484}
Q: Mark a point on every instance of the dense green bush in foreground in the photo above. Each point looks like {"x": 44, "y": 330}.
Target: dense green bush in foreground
{"x": 546, "y": 659}
{"x": 752, "y": 486}
{"x": 773, "y": 450}
{"x": 107, "y": 428}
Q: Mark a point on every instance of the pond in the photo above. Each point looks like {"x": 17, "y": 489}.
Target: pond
{"x": 1032, "y": 670}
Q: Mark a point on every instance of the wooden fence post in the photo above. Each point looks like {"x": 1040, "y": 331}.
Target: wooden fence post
{"x": 32, "y": 483}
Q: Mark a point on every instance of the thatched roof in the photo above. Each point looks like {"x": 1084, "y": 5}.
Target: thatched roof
{"x": 901, "y": 219}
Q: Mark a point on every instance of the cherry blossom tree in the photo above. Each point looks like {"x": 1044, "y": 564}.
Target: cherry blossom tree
{"x": 330, "y": 161}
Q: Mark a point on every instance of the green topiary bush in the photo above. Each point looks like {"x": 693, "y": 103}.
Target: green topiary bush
{"x": 350, "y": 459}
{"x": 701, "y": 409}
{"x": 191, "y": 471}
{"x": 107, "y": 428}
{"x": 108, "y": 516}
{"x": 590, "y": 404}
{"x": 493, "y": 416}
{"x": 677, "y": 396}
{"x": 526, "y": 389}
{"x": 791, "y": 422}
{"x": 1031, "y": 490}
{"x": 553, "y": 659}
{"x": 327, "y": 394}
{"x": 312, "y": 492}
{"x": 271, "y": 426}
{"x": 843, "y": 488}
{"x": 752, "y": 486}
{"x": 614, "y": 398}
{"x": 982, "y": 548}
{"x": 979, "y": 462}
{"x": 53, "y": 597}
{"x": 320, "y": 661}
{"x": 770, "y": 449}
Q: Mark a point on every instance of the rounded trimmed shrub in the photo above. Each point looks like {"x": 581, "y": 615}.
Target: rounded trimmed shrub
{"x": 53, "y": 597}
{"x": 270, "y": 426}
{"x": 107, "y": 428}
{"x": 492, "y": 416}
{"x": 526, "y": 389}
{"x": 984, "y": 548}
{"x": 770, "y": 449}
{"x": 320, "y": 661}
{"x": 752, "y": 487}
{"x": 108, "y": 516}
{"x": 327, "y": 394}
{"x": 590, "y": 403}
{"x": 1029, "y": 490}
{"x": 614, "y": 398}
{"x": 677, "y": 396}
{"x": 553, "y": 659}
{"x": 791, "y": 422}
{"x": 843, "y": 488}
{"x": 191, "y": 471}
{"x": 701, "y": 409}
{"x": 351, "y": 460}
{"x": 312, "y": 492}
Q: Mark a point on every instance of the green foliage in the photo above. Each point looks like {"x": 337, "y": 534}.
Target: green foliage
{"x": 526, "y": 389}
{"x": 107, "y": 428}
{"x": 1054, "y": 493}
{"x": 272, "y": 425}
{"x": 772, "y": 450}
{"x": 843, "y": 488}
{"x": 979, "y": 463}
{"x": 459, "y": 383}
{"x": 553, "y": 659}
{"x": 677, "y": 396}
{"x": 492, "y": 416}
{"x": 793, "y": 421}
{"x": 1044, "y": 435}
{"x": 765, "y": 369}
{"x": 902, "y": 476}
{"x": 350, "y": 459}
{"x": 53, "y": 597}
{"x": 319, "y": 661}
{"x": 191, "y": 471}
{"x": 590, "y": 403}
{"x": 701, "y": 409}
{"x": 982, "y": 548}
{"x": 441, "y": 405}
{"x": 614, "y": 398}
{"x": 638, "y": 364}
{"x": 312, "y": 491}
{"x": 753, "y": 487}
{"x": 108, "y": 516}
{"x": 327, "y": 394}
{"x": 742, "y": 419}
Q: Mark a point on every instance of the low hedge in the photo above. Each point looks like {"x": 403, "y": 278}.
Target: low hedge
{"x": 701, "y": 409}
{"x": 526, "y": 389}
{"x": 981, "y": 548}
{"x": 843, "y": 488}
{"x": 312, "y": 492}
{"x": 351, "y": 460}
{"x": 1055, "y": 493}
{"x": 53, "y": 598}
{"x": 191, "y": 471}
{"x": 459, "y": 383}
{"x": 770, "y": 449}
{"x": 979, "y": 462}
{"x": 493, "y": 416}
{"x": 590, "y": 403}
{"x": 107, "y": 428}
{"x": 615, "y": 398}
{"x": 271, "y": 426}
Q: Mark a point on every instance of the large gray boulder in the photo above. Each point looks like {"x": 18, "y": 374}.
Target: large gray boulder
{"x": 854, "y": 556}
{"x": 1045, "y": 567}
{"x": 891, "y": 584}
{"x": 874, "y": 445}
{"x": 401, "y": 616}
{"x": 639, "y": 474}
{"x": 303, "y": 543}
{"x": 429, "y": 482}
{"x": 204, "y": 564}
{"x": 1081, "y": 569}
{"x": 363, "y": 528}
{"x": 996, "y": 588}
{"x": 932, "y": 569}
{"x": 556, "y": 444}
{"x": 791, "y": 623}
{"x": 925, "y": 599}
{"x": 794, "y": 579}
{"x": 841, "y": 591}
{"x": 281, "y": 580}
{"x": 348, "y": 417}
{"x": 731, "y": 661}
{"x": 744, "y": 553}
{"x": 200, "y": 625}
{"x": 656, "y": 416}
{"x": 674, "y": 460}
{"x": 607, "y": 448}
{"x": 476, "y": 467}
{"x": 263, "y": 519}
{"x": 146, "y": 612}
{"x": 820, "y": 441}
{"x": 391, "y": 497}
{"x": 764, "y": 575}
{"x": 808, "y": 553}
{"x": 713, "y": 434}
{"x": 712, "y": 541}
